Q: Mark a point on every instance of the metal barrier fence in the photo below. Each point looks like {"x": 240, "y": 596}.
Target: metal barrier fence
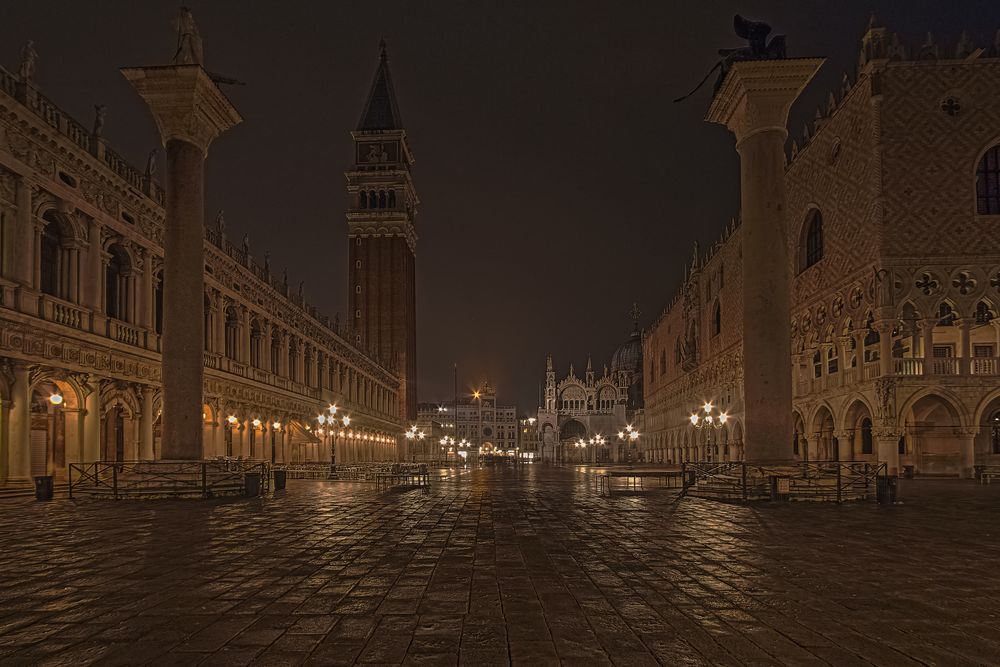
{"x": 835, "y": 481}
{"x": 158, "y": 479}
{"x": 307, "y": 470}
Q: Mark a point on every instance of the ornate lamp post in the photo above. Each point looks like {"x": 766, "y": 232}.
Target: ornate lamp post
{"x": 597, "y": 441}
{"x": 710, "y": 419}
{"x": 629, "y": 436}
{"x": 414, "y": 435}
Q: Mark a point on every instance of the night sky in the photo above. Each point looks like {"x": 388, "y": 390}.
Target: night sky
{"x": 558, "y": 181}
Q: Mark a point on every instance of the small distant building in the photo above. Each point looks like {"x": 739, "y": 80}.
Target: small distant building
{"x": 480, "y": 420}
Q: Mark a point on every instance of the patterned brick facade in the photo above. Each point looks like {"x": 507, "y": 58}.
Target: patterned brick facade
{"x": 907, "y": 271}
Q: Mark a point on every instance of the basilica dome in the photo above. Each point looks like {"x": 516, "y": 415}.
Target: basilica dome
{"x": 628, "y": 356}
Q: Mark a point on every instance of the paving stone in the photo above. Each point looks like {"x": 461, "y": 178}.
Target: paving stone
{"x": 500, "y": 566}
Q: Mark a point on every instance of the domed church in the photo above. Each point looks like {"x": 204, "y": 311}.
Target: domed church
{"x": 598, "y": 408}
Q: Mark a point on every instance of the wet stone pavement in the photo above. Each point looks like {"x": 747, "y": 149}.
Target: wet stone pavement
{"x": 499, "y": 566}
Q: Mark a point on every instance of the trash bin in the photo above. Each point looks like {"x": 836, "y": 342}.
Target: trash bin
{"x": 908, "y": 472}
{"x": 43, "y": 487}
{"x": 251, "y": 484}
{"x": 279, "y": 479}
{"x": 885, "y": 489}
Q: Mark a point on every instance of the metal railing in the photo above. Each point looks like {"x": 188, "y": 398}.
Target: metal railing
{"x": 159, "y": 479}
{"x": 816, "y": 480}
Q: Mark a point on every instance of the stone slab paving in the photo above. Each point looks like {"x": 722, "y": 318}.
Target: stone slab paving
{"x": 501, "y": 566}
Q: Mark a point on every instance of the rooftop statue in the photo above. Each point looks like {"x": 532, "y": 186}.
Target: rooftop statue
{"x": 189, "y": 49}
{"x": 757, "y": 48}
{"x": 28, "y": 58}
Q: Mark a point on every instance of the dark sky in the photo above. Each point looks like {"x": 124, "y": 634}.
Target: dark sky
{"x": 558, "y": 182}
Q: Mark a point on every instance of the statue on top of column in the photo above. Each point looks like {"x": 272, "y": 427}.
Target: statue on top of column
{"x": 29, "y": 56}
{"x": 757, "y": 48}
{"x": 189, "y": 50}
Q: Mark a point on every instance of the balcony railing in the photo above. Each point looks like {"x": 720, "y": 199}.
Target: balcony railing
{"x": 944, "y": 366}
{"x": 871, "y": 370}
{"x": 64, "y": 313}
{"x": 985, "y": 366}
{"x": 124, "y": 333}
{"x": 909, "y": 367}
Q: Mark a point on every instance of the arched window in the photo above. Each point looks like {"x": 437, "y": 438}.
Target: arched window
{"x": 50, "y": 259}
{"x": 392, "y": 199}
{"x": 663, "y": 362}
{"x": 381, "y": 198}
{"x": 988, "y": 183}
{"x": 866, "y": 436}
{"x": 372, "y": 201}
{"x": 677, "y": 351}
{"x": 256, "y": 339}
{"x": 984, "y": 313}
{"x": 363, "y": 199}
{"x": 293, "y": 360}
{"x": 116, "y": 284}
{"x": 814, "y": 239}
{"x": 232, "y": 333}
{"x": 946, "y": 314}
{"x": 717, "y": 319}
{"x": 275, "y": 352}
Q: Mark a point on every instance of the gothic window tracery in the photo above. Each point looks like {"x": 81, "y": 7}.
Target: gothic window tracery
{"x": 813, "y": 239}
{"x": 988, "y": 183}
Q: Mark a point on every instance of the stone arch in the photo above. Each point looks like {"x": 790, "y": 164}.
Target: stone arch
{"x": 572, "y": 429}
{"x": 821, "y": 426}
{"x": 55, "y": 431}
{"x": 858, "y": 420}
{"x": 936, "y": 432}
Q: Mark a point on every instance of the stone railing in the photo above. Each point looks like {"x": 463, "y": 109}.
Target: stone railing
{"x": 64, "y": 313}
{"x": 944, "y": 366}
{"x": 871, "y": 370}
{"x": 909, "y": 367}
{"x": 985, "y": 366}
{"x": 124, "y": 333}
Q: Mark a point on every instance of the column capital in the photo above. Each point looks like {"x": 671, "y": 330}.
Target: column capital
{"x": 186, "y": 103}
{"x": 756, "y": 94}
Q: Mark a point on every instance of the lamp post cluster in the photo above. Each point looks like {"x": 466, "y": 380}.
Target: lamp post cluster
{"x": 330, "y": 427}
{"x": 256, "y": 425}
{"x": 711, "y": 419}
{"x": 413, "y": 434}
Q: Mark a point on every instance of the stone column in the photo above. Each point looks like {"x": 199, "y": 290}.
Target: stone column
{"x": 92, "y": 421}
{"x": 965, "y": 345}
{"x": 845, "y": 445}
{"x": 244, "y": 354}
{"x": 95, "y": 268}
{"x": 24, "y": 236}
{"x": 18, "y": 452}
{"x": 146, "y": 297}
{"x": 146, "y": 434}
{"x": 218, "y": 322}
{"x": 927, "y": 345}
{"x": 886, "y": 365}
{"x": 753, "y": 104}
{"x": 967, "y": 452}
{"x": 265, "y": 347}
{"x": 190, "y": 112}
{"x": 887, "y": 447}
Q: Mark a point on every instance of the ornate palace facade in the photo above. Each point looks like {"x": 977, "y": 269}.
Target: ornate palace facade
{"x": 893, "y": 224}
{"x": 80, "y": 319}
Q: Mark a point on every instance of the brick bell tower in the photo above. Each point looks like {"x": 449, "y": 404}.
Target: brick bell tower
{"x": 382, "y": 204}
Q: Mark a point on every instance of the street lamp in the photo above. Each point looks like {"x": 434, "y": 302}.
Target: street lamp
{"x": 413, "y": 434}
{"x": 710, "y": 419}
{"x": 630, "y": 436}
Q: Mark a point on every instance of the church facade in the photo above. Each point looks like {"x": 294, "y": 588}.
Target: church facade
{"x": 81, "y": 246}
{"x": 596, "y": 410}
{"x": 893, "y": 227}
